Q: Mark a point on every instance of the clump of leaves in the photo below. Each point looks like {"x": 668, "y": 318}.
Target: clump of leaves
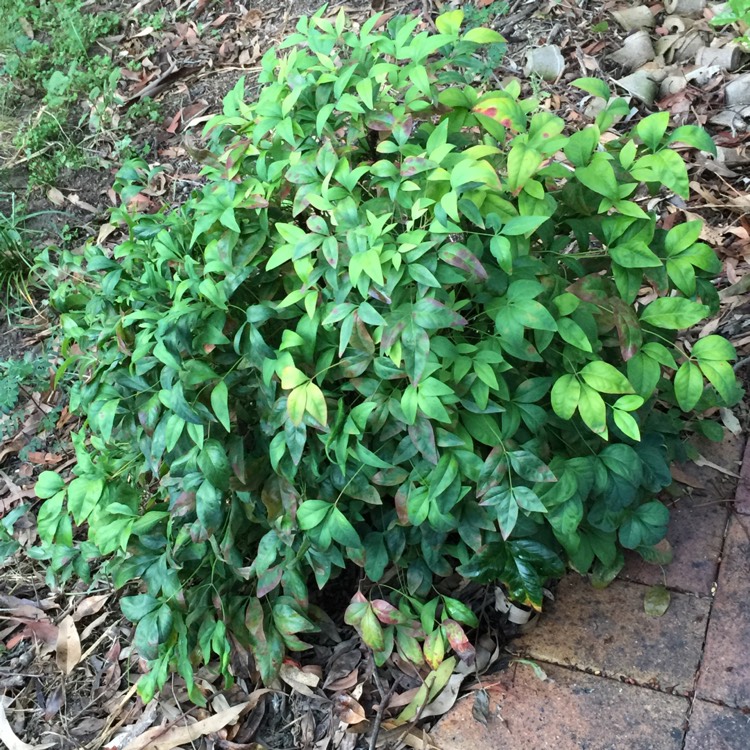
{"x": 408, "y": 325}
{"x": 735, "y": 12}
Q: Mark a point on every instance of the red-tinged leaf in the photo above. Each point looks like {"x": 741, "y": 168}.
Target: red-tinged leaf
{"x": 503, "y": 110}
{"x": 415, "y": 164}
{"x": 381, "y": 121}
{"x": 628, "y": 328}
{"x": 458, "y": 641}
{"x": 269, "y": 580}
{"x": 400, "y": 502}
{"x": 387, "y": 613}
{"x": 459, "y": 257}
{"x": 592, "y": 288}
{"x": 423, "y": 437}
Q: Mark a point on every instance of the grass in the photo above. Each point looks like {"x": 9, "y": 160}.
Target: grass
{"x": 55, "y": 84}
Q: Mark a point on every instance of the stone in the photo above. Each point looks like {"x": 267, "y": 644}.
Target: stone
{"x": 696, "y": 534}
{"x": 715, "y": 727}
{"x": 568, "y": 711}
{"x": 607, "y": 631}
{"x": 725, "y": 673}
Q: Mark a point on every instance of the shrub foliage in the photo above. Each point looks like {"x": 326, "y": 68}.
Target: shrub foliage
{"x": 407, "y": 325}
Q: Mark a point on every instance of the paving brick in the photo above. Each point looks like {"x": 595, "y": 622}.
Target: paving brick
{"x": 607, "y": 631}
{"x": 728, "y": 455}
{"x": 742, "y": 498}
{"x": 696, "y": 533}
{"x": 715, "y": 727}
{"x": 725, "y": 672}
{"x": 569, "y": 711}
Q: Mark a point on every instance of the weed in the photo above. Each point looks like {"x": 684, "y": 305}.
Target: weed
{"x": 736, "y": 12}
{"x": 49, "y": 57}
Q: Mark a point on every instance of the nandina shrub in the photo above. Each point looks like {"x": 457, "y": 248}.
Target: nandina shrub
{"x": 407, "y": 324}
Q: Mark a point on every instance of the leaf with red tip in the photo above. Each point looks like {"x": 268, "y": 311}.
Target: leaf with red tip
{"x": 387, "y": 613}
{"x": 458, "y": 640}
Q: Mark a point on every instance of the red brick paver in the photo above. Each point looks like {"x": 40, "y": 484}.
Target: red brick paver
{"x": 618, "y": 676}
{"x": 715, "y": 727}
{"x": 725, "y": 673}
{"x": 569, "y": 711}
{"x": 607, "y": 631}
{"x": 742, "y": 499}
{"x": 696, "y": 533}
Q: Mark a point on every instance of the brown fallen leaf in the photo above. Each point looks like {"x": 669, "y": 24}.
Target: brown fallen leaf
{"x": 348, "y": 710}
{"x": 68, "y": 645}
{"x": 161, "y": 738}
{"x": 298, "y": 679}
{"x": 683, "y": 477}
{"x": 90, "y": 606}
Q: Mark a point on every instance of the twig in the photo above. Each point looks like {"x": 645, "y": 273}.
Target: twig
{"x": 739, "y": 365}
{"x": 385, "y": 699}
{"x": 513, "y": 20}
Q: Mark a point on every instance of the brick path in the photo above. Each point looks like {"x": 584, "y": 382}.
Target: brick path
{"x": 619, "y": 679}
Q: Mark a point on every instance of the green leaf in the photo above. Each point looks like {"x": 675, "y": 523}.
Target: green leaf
{"x": 721, "y": 376}
{"x": 635, "y": 254}
{"x": 341, "y": 529}
{"x": 605, "y": 378}
{"x": 214, "y": 463}
{"x": 83, "y": 495}
{"x": 694, "y": 136}
{"x": 656, "y": 601}
{"x": 581, "y": 145}
{"x": 566, "y": 393}
{"x": 460, "y": 612}
{"x": 593, "y": 411}
{"x": 594, "y": 86}
{"x": 220, "y": 404}
{"x": 644, "y": 373}
{"x": 315, "y": 403}
{"x": 523, "y": 163}
{"x": 674, "y": 313}
{"x": 713, "y": 349}
{"x": 296, "y": 404}
{"x": 209, "y": 506}
{"x": 571, "y": 332}
{"x": 627, "y": 424}
{"x": 682, "y": 236}
{"x": 312, "y": 513}
{"x": 450, "y": 22}
{"x": 371, "y": 630}
{"x": 481, "y": 35}
{"x": 506, "y": 509}
{"x": 688, "y": 386}
{"x": 519, "y": 225}
{"x": 48, "y": 484}
{"x": 651, "y": 129}
{"x": 135, "y": 608}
